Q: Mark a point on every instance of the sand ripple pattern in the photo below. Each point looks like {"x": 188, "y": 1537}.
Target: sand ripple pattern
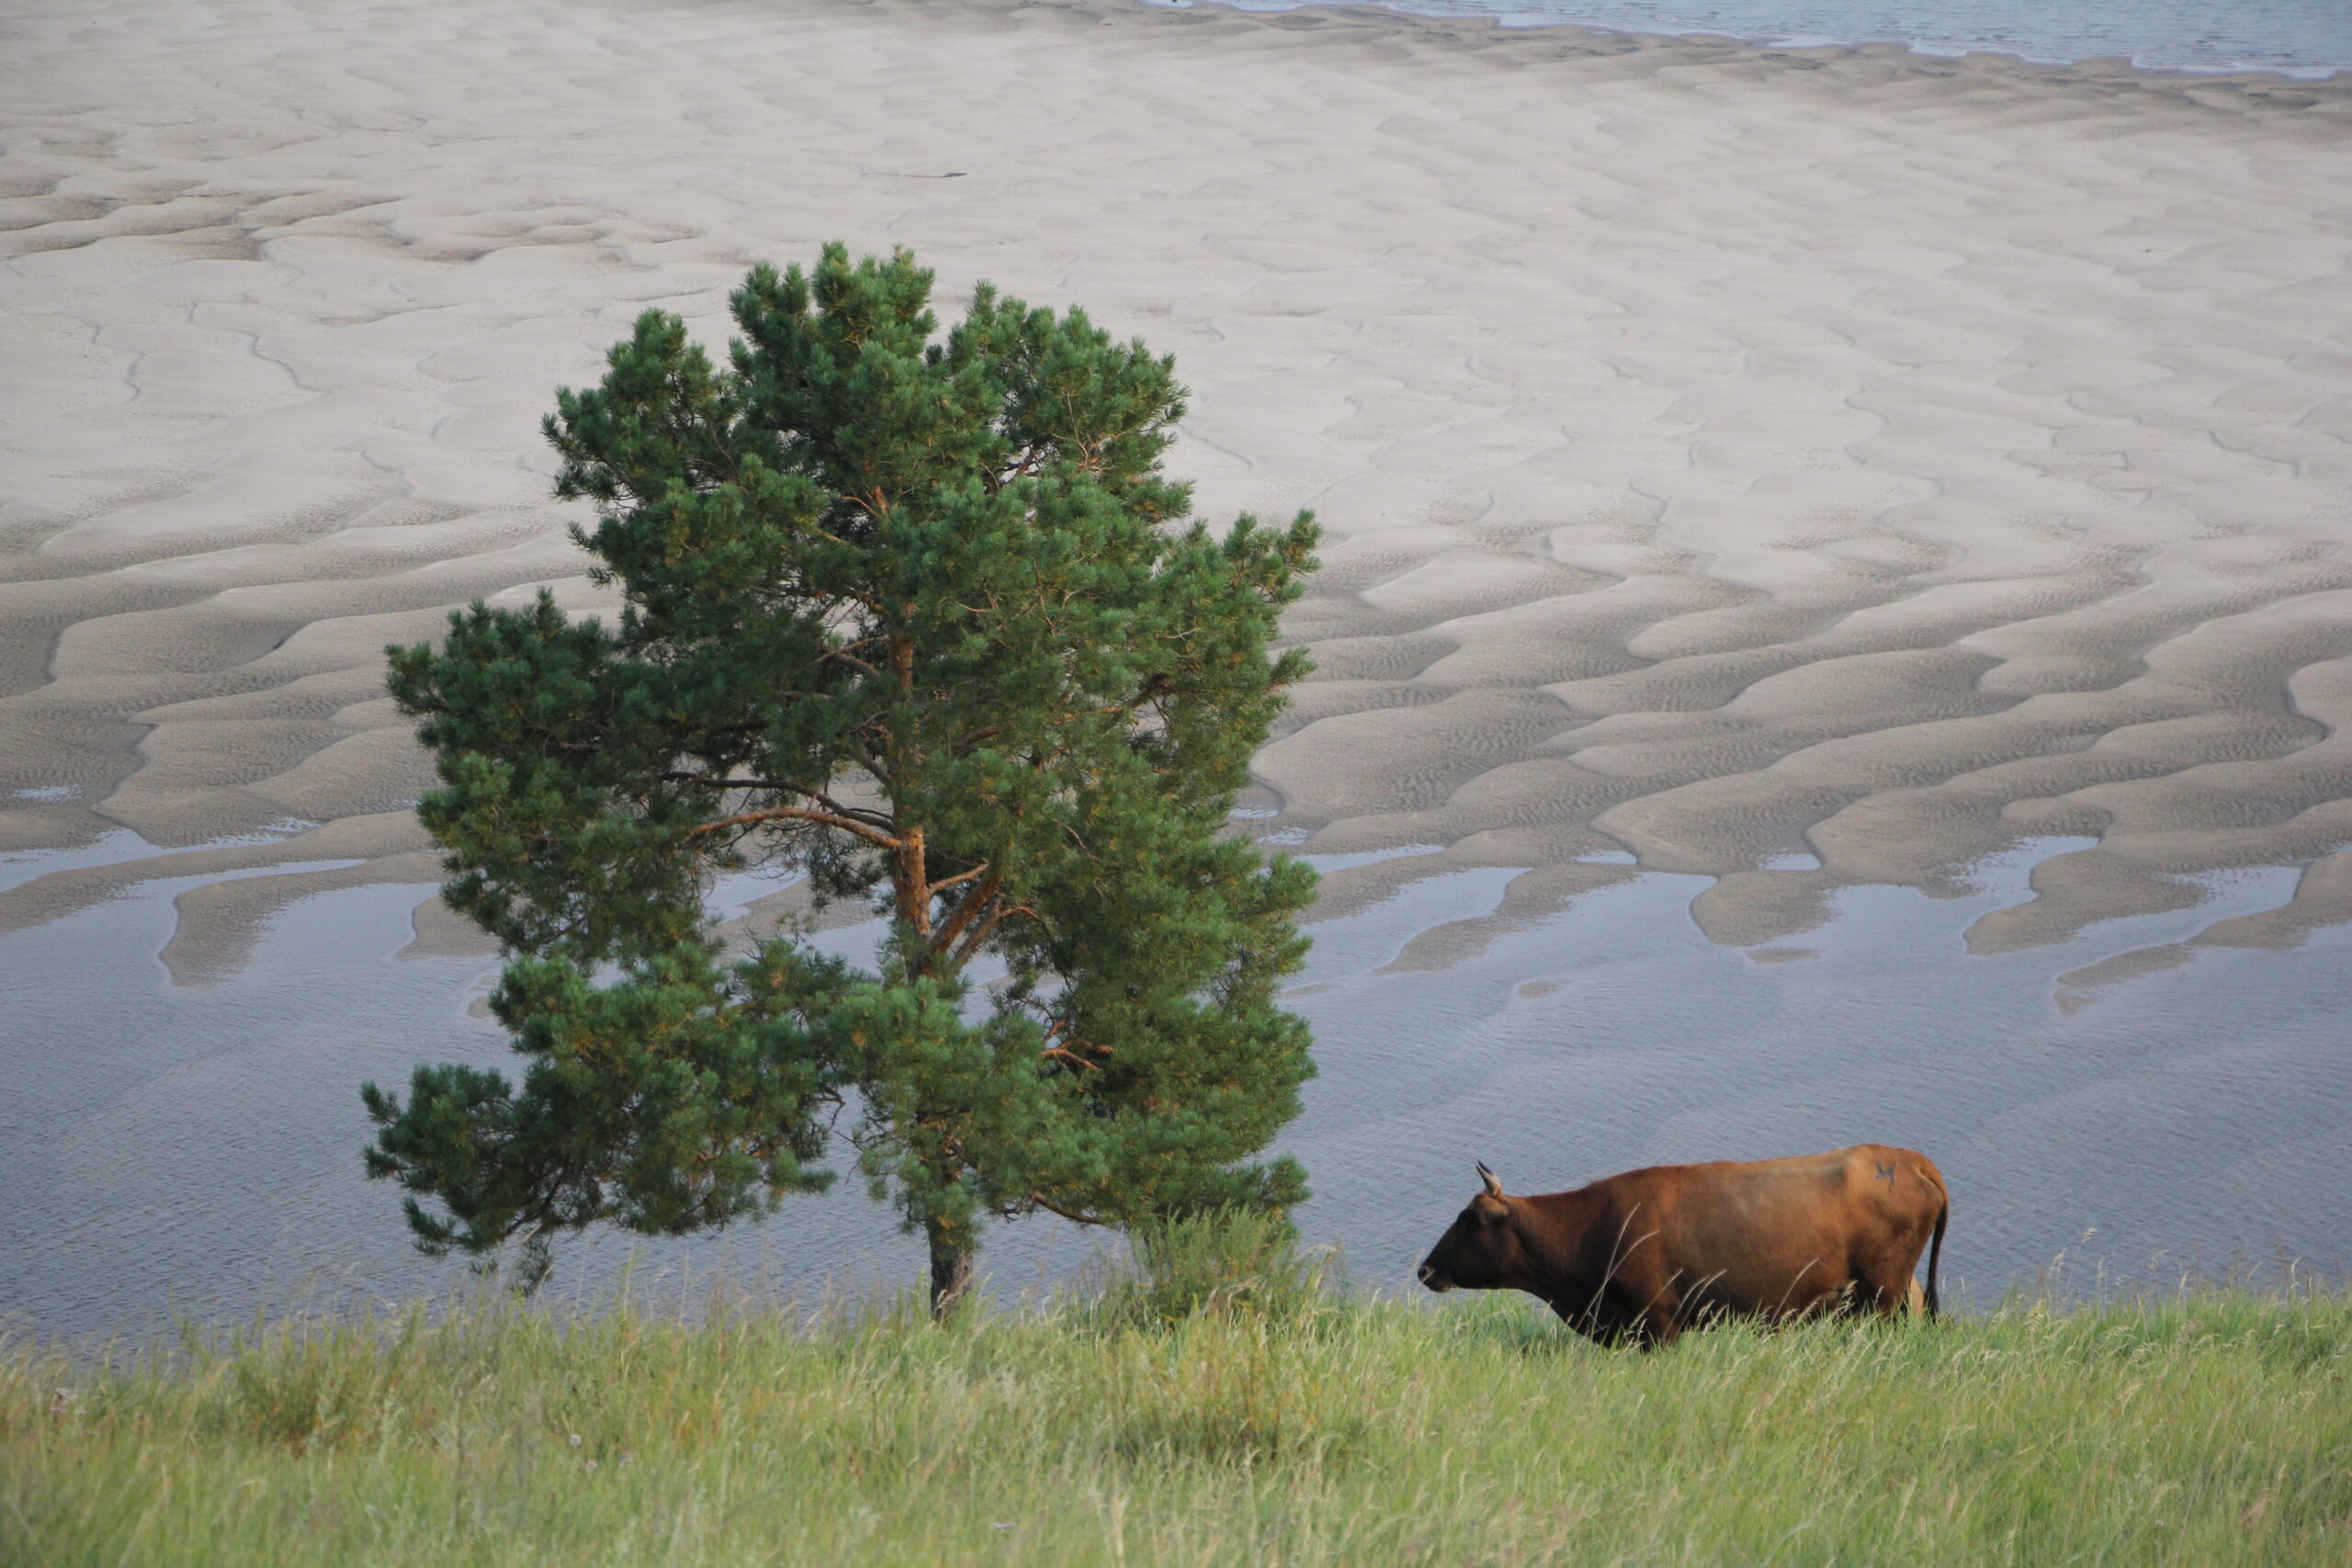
{"x": 1806, "y": 469}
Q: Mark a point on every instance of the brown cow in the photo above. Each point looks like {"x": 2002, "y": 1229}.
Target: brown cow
{"x": 1642, "y": 1256}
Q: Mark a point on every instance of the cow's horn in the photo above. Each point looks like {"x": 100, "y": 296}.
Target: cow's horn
{"x": 1494, "y": 1183}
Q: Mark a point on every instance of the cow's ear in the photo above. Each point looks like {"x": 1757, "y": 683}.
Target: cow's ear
{"x": 1494, "y": 1183}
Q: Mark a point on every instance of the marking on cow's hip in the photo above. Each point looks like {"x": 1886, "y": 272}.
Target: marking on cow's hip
{"x": 1886, "y": 1174}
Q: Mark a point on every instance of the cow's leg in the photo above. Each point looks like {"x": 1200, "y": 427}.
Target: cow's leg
{"x": 1607, "y": 1319}
{"x": 1882, "y": 1288}
{"x": 1583, "y": 1316}
{"x": 1658, "y": 1327}
{"x": 1654, "y": 1319}
{"x": 1603, "y": 1324}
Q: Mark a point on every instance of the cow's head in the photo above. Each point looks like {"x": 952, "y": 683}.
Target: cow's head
{"x": 1482, "y": 1251}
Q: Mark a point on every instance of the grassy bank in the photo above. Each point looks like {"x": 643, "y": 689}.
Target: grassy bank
{"x": 2208, "y": 1429}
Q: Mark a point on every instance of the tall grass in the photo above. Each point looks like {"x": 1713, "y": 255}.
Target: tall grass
{"x": 1217, "y": 1408}
{"x": 1230, "y": 1263}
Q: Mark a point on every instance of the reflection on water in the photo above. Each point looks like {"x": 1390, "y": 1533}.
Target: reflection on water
{"x": 197, "y": 1151}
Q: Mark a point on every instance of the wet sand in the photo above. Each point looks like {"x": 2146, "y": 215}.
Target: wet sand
{"x": 1760, "y": 483}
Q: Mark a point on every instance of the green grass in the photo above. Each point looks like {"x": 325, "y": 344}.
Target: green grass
{"x": 1270, "y": 1423}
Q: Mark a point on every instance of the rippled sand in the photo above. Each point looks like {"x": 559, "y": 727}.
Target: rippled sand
{"x": 1729, "y": 455}
{"x": 1804, "y": 471}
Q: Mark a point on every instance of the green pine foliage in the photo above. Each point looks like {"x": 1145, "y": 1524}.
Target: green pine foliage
{"x": 921, "y": 617}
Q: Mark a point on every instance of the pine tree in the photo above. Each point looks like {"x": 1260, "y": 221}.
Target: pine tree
{"x": 923, "y": 619}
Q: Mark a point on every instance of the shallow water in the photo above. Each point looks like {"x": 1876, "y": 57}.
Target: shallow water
{"x": 2198, "y": 1120}
{"x": 195, "y": 1150}
{"x": 2303, "y": 38}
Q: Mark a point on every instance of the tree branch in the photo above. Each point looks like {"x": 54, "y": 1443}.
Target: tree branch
{"x": 1071, "y": 1214}
{"x": 798, "y": 814}
{"x": 856, "y": 813}
{"x": 960, "y": 876}
{"x": 979, "y": 935}
{"x": 971, "y": 904}
{"x": 850, "y": 659}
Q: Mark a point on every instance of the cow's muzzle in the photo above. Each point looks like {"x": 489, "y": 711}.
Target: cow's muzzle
{"x": 1435, "y": 1280}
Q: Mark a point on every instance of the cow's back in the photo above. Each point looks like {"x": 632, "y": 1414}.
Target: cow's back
{"x": 1778, "y": 1236}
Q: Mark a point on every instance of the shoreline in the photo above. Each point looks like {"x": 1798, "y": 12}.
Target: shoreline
{"x": 2100, "y": 64}
{"x": 1585, "y": 40}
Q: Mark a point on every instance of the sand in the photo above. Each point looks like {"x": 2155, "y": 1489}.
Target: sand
{"x": 1803, "y": 468}
{"x": 1794, "y": 472}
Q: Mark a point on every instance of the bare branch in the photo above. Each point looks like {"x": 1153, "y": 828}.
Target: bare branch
{"x": 960, "y": 876}
{"x": 970, "y": 904}
{"x": 798, "y": 814}
{"x": 1071, "y": 1214}
{"x": 979, "y": 935}
{"x": 850, "y": 659}
{"x": 784, "y": 786}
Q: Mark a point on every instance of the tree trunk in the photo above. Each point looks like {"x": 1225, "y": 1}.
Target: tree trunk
{"x": 951, "y": 1266}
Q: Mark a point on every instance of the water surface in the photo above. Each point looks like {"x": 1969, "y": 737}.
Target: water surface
{"x": 196, "y": 1150}
{"x": 2303, "y": 37}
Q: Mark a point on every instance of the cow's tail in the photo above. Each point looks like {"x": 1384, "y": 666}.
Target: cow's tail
{"x": 1936, "y": 1246}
